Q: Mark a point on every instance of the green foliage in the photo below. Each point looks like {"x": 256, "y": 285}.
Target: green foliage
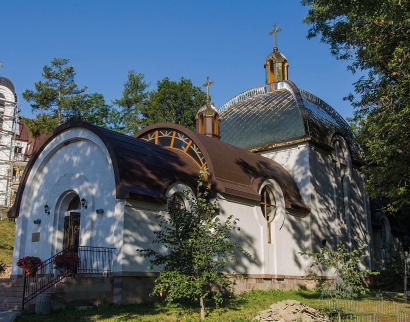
{"x": 58, "y": 99}
{"x": 7, "y": 228}
{"x": 198, "y": 246}
{"x": 131, "y": 104}
{"x": 391, "y": 270}
{"x": 240, "y": 308}
{"x": 43, "y": 124}
{"x": 174, "y": 102}
{"x": 373, "y": 36}
{"x": 346, "y": 267}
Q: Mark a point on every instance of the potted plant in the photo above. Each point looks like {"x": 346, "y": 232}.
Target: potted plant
{"x": 29, "y": 264}
{"x": 66, "y": 263}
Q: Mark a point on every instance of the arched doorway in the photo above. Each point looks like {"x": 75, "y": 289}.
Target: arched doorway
{"x": 71, "y": 237}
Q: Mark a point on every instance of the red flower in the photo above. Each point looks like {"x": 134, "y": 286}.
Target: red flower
{"x": 29, "y": 262}
{"x": 67, "y": 261}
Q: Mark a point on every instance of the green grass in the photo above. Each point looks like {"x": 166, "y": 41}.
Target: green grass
{"x": 7, "y": 229}
{"x": 240, "y": 308}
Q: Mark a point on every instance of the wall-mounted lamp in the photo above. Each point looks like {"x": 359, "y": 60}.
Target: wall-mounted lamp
{"x": 83, "y": 203}
{"x": 99, "y": 211}
{"x": 37, "y": 222}
{"x": 47, "y": 209}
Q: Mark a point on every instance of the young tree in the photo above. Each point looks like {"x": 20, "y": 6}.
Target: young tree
{"x": 346, "y": 268}
{"x": 373, "y": 36}
{"x": 174, "y": 102}
{"x": 198, "y": 246}
{"x": 131, "y": 103}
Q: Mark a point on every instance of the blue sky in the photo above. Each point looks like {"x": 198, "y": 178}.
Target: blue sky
{"x": 225, "y": 40}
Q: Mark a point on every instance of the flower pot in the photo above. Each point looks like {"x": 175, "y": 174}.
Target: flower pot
{"x": 65, "y": 271}
{"x": 29, "y": 271}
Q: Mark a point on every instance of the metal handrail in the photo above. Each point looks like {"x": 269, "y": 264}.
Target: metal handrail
{"x": 93, "y": 260}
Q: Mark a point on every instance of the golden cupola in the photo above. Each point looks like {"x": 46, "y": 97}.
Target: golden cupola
{"x": 276, "y": 64}
{"x": 207, "y": 118}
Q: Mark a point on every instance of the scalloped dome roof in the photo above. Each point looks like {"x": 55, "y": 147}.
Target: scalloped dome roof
{"x": 260, "y": 119}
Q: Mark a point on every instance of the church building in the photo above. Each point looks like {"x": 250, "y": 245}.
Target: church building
{"x": 280, "y": 160}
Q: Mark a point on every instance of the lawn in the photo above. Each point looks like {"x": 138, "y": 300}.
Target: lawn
{"x": 7, "y": 229}
{"x": 240, "y": 308}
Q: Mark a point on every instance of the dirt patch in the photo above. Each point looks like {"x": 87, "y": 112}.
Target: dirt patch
{"x": 6, "y": 273}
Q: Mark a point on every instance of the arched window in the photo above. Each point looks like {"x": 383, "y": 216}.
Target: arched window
{"x": 342, "y": 171}
{"x": 177, "y": 202}
{"x": 268, "y": 205}
{"x": 385, "y": 231}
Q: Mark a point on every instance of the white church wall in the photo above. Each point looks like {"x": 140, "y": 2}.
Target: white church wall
{"x": 252, "y": 235}
{"x": 292, "y": 235}
{"x": 76, "y": 161}
{"x": 295, "y": 159}
{"x": 140, "y": 222}
{"x": 325, "y": 225}
{"x": 360, "y": 214}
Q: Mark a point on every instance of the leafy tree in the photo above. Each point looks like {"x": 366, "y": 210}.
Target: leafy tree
{"x": 94, "y": 110}
{"x": 174, "y": 102}
{"x": 198, "y": 246}
{"x": 131, "y": 103}
{"x": 58, "y": 99}
{"x": 58, "y": 94}
{"x": 346, "y": 267}
{"x": 373, "y": 36}
{"x": 42, "y": 124}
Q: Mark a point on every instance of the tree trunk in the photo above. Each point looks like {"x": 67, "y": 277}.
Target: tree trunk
{"x": 201, "y": 303}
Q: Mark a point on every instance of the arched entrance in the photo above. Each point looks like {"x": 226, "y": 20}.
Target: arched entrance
{"x": 72, "y": 221}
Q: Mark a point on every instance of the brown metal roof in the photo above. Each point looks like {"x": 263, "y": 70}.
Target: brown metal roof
{"x": 142, "y": 170}
{"x": 235, "y": 171}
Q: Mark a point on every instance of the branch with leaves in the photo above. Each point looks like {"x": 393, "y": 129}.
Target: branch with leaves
{"x": 198, "y": 246}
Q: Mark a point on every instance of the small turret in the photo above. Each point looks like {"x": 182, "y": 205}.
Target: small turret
{"x": 207, "y": 118}
{"x": 276, "y": 64}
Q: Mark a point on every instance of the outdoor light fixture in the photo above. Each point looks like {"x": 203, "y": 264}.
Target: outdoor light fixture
{"x": 47, "y": 209}
{"x": 83, "y": 203}
{"x": 99, "y": 211}
{"x": 37, "y": 222}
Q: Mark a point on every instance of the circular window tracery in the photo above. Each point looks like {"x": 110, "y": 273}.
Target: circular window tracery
{"x": 268, "y": 204}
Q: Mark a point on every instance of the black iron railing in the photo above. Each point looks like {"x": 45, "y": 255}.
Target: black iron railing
{"x": 93, "y": 260}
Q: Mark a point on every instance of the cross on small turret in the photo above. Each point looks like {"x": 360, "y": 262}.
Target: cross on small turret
{"x": 207, "y": 85}
{"x": 274, "y": 32}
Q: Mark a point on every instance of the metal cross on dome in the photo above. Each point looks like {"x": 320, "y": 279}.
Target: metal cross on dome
{"x": 274, "y": 32}
{"x": 207, "y": 85}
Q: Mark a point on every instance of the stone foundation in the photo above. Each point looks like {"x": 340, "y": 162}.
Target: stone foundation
{"x": 135, "y": 289}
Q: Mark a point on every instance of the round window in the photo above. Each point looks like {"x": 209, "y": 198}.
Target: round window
{"x": 268, "y": 204}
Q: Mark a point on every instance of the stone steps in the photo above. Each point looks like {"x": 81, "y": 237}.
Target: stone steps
{"x": 11, "y": 292}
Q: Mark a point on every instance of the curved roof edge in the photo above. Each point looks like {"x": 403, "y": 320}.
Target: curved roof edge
{"x": 7, "y": 83}
{"x": 133, "y": 161}
{"x": 13, "y": 212}
{"x": 236, "y": 171}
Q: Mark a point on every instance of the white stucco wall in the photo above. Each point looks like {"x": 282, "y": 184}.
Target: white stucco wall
{"x": 313, "y": 170}
{"x": 75, "y": 161}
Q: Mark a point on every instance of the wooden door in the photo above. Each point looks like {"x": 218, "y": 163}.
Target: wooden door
{"x": 72, "y": 231}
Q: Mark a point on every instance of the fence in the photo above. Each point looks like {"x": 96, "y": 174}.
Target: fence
{"x": 378, "y": 310}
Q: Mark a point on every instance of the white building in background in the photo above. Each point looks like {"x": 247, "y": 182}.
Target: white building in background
{"x": 12, "y": 144}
